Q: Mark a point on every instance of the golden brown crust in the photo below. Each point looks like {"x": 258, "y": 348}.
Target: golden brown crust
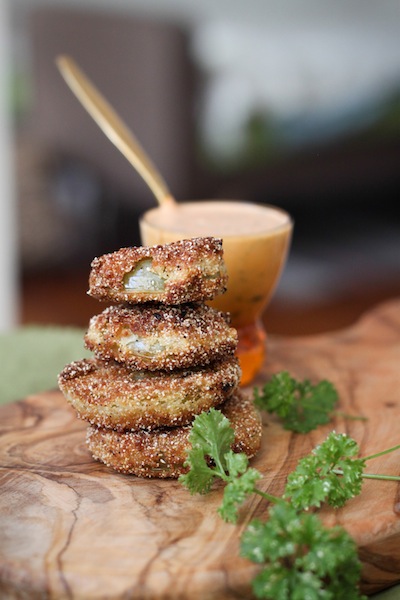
{"x": 157, "y": 337}
{"x": 162, "y": 452}
{"x": 185, "y": 271}
{"x": 109, "y": 395}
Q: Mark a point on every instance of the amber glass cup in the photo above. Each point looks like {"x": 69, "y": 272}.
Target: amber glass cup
{"x": 256, "y": 241}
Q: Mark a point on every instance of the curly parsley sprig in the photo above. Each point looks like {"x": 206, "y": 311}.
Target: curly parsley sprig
{"x": 332, "y": 473}
{"x": 301, "y": 558}
{"x": 300, "y": 405}
{"x": 315, "y": 479}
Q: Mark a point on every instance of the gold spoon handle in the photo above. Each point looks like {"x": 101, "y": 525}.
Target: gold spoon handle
{"x": 112, "y": 125}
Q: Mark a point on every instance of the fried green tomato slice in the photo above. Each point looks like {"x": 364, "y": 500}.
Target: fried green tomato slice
{"x": 158, "y": 337}
{"x": 185, "y": 271}
{"x": 110, "y": 395}
{"x": 162, "y": 452}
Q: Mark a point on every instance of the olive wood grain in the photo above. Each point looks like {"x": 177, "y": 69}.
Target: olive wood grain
{"x": 72, "y": 528}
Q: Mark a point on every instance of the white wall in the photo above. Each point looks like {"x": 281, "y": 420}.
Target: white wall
{"x": 8, "y": 233}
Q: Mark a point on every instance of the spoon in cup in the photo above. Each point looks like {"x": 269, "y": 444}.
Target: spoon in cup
{"x": 113, "y": 126}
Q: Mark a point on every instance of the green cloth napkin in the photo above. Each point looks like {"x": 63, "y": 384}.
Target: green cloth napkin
{"x": 31, "y": 358}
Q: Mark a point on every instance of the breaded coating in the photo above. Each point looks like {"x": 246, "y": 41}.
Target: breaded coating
{"x": 185, "y": 271}
{"x": 112, "y": 396}
{"x": 157, "y": 337}
{"x": 162, "y": 452}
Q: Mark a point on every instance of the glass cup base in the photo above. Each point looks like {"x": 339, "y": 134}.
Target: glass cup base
{"x": 251, "y": 351}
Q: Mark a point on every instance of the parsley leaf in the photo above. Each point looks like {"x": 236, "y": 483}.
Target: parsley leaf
{"x": 200, "y": 477}
{"x": 329, "y": 474}
{"x": 300, "y": 405}
{"x": 242, "y": 483}
{"x": 212, "y": 432}
{"x": 211, "y": 437}
{"x": 301, "y": 558}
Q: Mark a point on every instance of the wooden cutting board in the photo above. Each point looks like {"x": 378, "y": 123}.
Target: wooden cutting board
{"x": 72, "y": 528}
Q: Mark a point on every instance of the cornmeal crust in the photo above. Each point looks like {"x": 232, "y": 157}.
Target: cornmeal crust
{"x": 162, "y": 452}
{"x": 110, "y": 395}
{"x": 158, "y": 337}
{"x": 185, "y": 271}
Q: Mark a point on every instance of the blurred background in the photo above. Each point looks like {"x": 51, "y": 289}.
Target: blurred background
{"x": 295, "y": 104}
